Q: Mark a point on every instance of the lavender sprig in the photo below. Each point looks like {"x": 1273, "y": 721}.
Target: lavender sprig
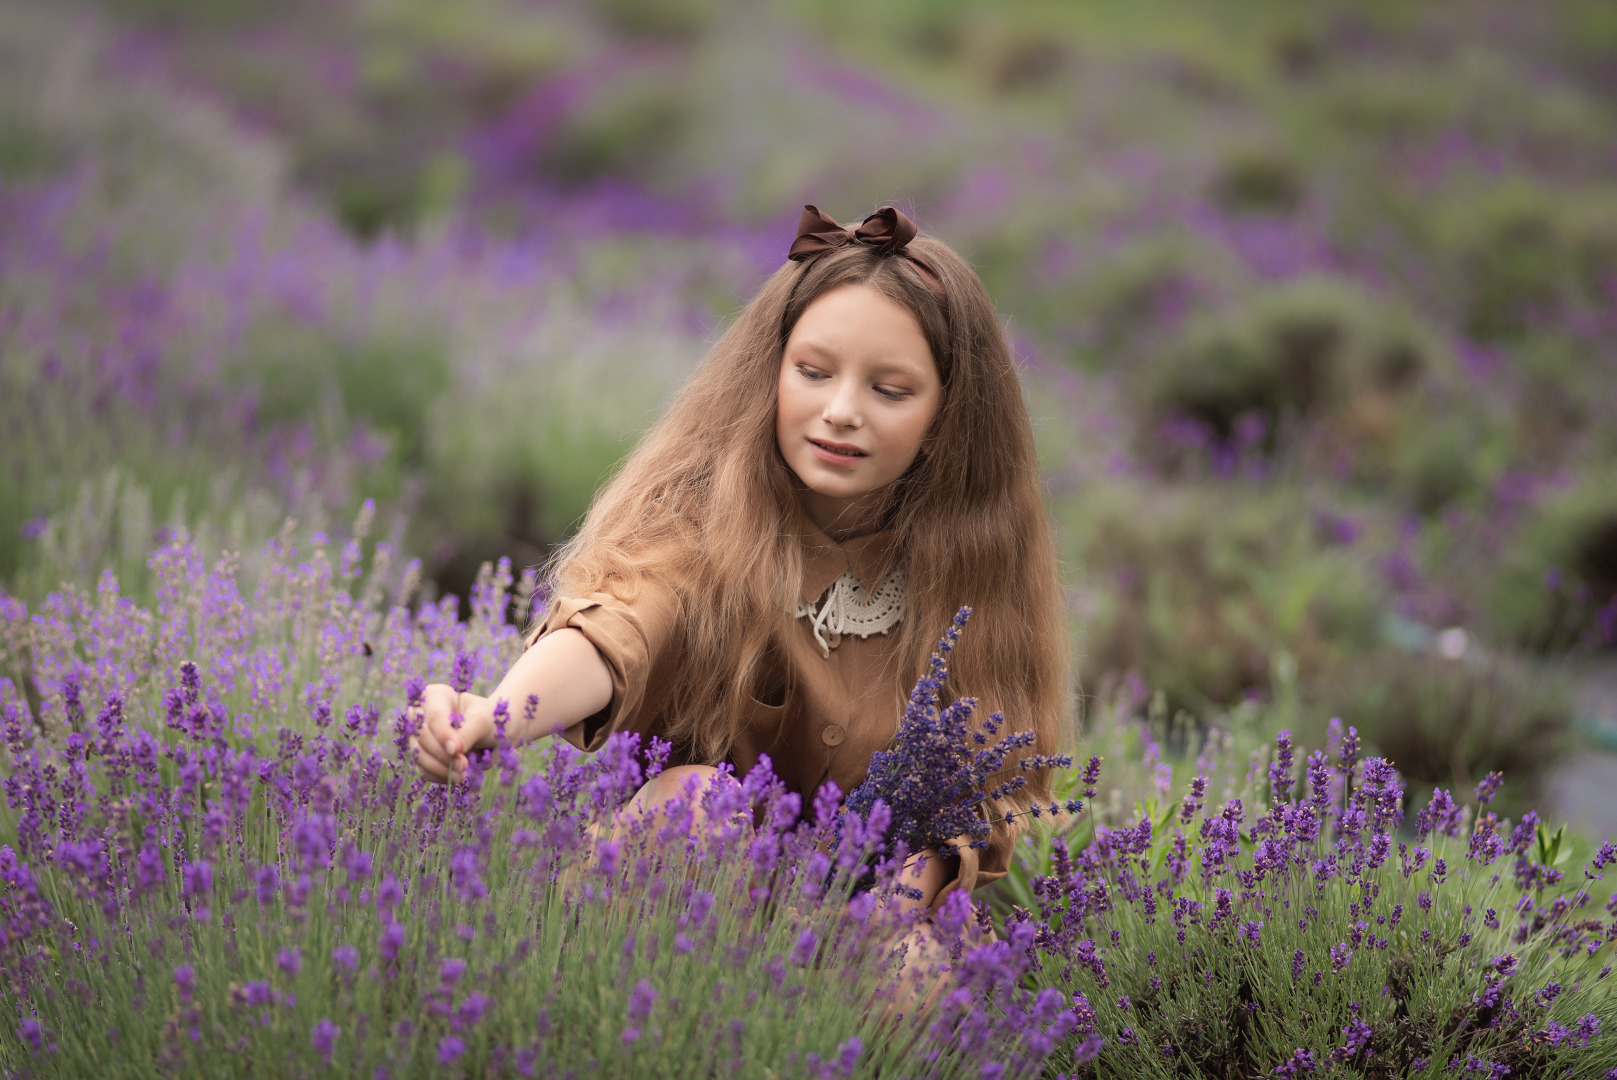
{"x": 939, "y": 769}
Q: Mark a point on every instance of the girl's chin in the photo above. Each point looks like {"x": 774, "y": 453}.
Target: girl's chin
{"x": 843, "y": 493}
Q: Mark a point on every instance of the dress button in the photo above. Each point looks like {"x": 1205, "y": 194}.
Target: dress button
{"x": 832, "y": 735}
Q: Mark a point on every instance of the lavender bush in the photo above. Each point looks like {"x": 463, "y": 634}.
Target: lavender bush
{"x": 1310, "y": 934}
{"x": 218, "y": 858}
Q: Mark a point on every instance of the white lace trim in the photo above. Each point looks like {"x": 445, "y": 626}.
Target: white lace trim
{"x": 848, "y": 608}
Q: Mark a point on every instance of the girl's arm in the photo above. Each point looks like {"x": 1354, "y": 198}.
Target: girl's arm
{"x": 562, "y": 669}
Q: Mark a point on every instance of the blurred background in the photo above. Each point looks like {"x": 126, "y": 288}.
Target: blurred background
{"x": 1317, "y": 306}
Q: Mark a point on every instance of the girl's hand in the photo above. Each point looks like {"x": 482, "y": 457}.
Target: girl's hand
{"x": 440, "y": 746}
{"x": 927, "y": 872}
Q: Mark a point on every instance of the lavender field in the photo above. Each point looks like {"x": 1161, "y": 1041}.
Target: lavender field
{"x": 321, "y": 321}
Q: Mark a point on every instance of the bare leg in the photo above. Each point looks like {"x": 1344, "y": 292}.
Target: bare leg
{"x": 686, "y": 782}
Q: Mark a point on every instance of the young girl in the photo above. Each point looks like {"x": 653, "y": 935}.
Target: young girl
{"x": 769, "y": 571}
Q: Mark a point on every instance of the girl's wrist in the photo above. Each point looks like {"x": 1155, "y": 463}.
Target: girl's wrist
{"x": 477, "y": 720}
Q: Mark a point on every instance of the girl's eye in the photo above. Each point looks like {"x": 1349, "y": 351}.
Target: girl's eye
{"x": 810, "y": 373}
{"x": 891, "y": 394}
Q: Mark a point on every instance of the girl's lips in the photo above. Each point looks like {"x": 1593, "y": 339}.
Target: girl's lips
{"x": 836, "y": 453}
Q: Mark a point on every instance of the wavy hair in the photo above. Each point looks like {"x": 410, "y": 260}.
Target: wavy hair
{"x": 707, "y": 496}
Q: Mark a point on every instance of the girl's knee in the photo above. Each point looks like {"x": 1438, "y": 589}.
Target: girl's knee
{"x": 680, "y": 781}
{"x": 675, "y": 781}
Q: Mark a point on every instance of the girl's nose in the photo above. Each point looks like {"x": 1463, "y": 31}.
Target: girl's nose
{"x": 843, "y": 410}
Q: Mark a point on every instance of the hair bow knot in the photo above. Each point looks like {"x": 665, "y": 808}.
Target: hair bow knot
{"x": 887, "y": 230}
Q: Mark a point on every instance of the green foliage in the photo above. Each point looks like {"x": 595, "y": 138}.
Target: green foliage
{"x": 659, "y": 18}
{"x": 1302, "y": 350}
{"x": 629, "y": 129}
{"x": 1259, "y": 180}
{"x": 1559, "y": 569}
{"x": 1450, "y": 722}
{"x": 1192, "y": 969}
{"x": 1450, "y": 458}
{"x": 390, "y": 384}
{"x": 27, "y": 152}
{"x": 1199, "y": 592}
{"x": 1529, "y": 253}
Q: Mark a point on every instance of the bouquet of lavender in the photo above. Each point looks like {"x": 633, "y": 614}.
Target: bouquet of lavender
{"x": 939, "y": 770}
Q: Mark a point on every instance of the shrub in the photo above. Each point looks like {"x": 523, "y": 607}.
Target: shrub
{"x": 1528, "y": 253}
{"x": 1446, "y": 460}
{"x": 1304, "y": 933}
{"x": 1315, "y": 348}
{"x": 1556, "y": 587}
{"x": 1198, "y": 591}
{"x": 1258, "y": 180}
{"x": 1453, "y": 721}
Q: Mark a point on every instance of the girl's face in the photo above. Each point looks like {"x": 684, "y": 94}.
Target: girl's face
{"x": 858, "y": 390}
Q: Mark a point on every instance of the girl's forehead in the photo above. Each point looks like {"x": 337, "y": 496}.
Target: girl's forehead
{"x": 857, "y": 304}
{"x": 853, "y": 320}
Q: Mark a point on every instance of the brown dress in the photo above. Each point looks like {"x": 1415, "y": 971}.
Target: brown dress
{"x": 830, "y": 713}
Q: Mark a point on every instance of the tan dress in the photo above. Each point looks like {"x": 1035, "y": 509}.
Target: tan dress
{"x": 831, "y": 711}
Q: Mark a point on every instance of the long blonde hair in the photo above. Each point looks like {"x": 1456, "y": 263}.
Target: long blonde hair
{"x": 707, "y": 498}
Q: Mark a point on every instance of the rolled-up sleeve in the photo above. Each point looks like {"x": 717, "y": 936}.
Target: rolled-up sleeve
{"x": 640, "y": 640}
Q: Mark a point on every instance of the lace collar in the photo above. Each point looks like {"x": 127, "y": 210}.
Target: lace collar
{"x": 853, "y": 587}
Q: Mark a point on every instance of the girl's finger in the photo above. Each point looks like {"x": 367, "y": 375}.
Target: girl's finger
{"x": 431, "y": 767}
{"x": 432, "y": 744}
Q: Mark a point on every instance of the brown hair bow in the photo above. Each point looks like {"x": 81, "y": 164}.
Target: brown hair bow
{"x": 888, "y": 230}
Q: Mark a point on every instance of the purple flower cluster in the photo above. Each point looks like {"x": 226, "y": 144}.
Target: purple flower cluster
{"x": 940, "y": 770}
{"x": 1321, "y": 910}
{"x": 211, "y": 791}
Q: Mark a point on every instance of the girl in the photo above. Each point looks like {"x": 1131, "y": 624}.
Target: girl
{"x": 770, "y": 569}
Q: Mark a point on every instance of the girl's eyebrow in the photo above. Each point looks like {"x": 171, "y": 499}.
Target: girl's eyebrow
{"x": 822, "y": 350}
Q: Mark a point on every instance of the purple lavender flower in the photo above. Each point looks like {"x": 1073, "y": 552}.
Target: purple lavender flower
{"x": 641, "y": 1000}
{"x": 268, "y": 883}
{"x": 1301, "y": 1062}
{"x": 323, "y": 1037}
{"x": 1348, "y": 755}
{"x": 392, "y": 940}
{"x": 472, "y": 1009}
{"x": 198, "y": 878}
{"x": 389, "y": 894}
{"x": 1091, "y": 776}
{"x": 1193, "y": 801}
{"x": 1280, "y": 780}
{"x": 804, "y": 951}
{"x": 358, "y": 864}
{"x": 32, "y": 1032}
{"x": 1356, "y": 1041}
{"x": 463, "y": 674}
{"x": 450, "y": 1049}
